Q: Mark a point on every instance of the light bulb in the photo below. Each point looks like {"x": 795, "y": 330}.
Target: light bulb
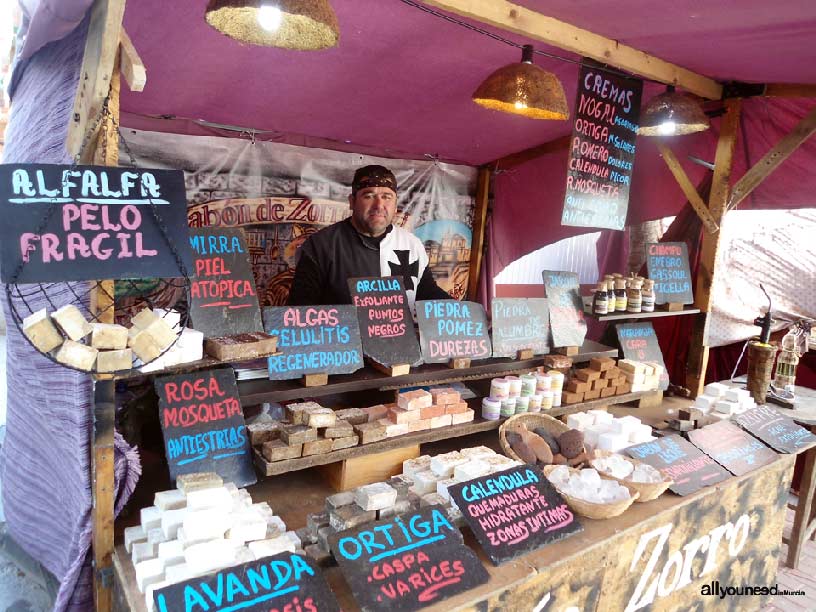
{"x": 667, "y": 128}
{"x": 269, "y": 17}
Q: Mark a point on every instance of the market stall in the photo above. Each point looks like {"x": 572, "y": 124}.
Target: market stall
{"x": 254, "y": 193}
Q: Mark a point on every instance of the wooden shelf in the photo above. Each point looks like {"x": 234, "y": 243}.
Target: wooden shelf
{"x": 267, "y": 468}
{"x": 263, "y": 390}
{"x": 623, "y": 316}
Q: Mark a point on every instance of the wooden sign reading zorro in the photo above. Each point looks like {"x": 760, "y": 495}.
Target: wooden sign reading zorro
{"x": 72, "y": 223}
{"x": 386, "y": 324}
{"x": 284, "y": 582}
{"x": 408, "y": 562}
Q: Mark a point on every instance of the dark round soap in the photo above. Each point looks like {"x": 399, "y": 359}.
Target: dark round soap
{"x": 571, "y": 443}
{"x": 549, "y": 439}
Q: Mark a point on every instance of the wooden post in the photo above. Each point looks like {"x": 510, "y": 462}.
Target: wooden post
{"x": 479, "y": 221}
{"x": 698, "y": 351}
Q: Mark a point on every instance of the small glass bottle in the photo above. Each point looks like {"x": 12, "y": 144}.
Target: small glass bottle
{"x": 647, "y": 296}
{"x": 610, "y": 293}
{"x": 600, "y": 303}
{"x": 620, "y": 294}
{"x": 634, "y": 295}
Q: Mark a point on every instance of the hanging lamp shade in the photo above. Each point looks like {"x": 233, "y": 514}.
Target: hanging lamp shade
{"x": 672, "y": 114}
{"x": 305, "y": 25}
{"x": 524, "y": 89}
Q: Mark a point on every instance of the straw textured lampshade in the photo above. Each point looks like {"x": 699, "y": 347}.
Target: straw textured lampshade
{"x": 524, "y": 89}
{"x": 672, "y": 114}
{"x": 305, "y": 25}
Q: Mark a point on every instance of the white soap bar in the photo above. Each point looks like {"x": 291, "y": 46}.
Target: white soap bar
{"x": 205, "y": 524}
{"x": 156, "y": 536}
{"x": 577, "y": 421}
{"x": 295, "y": 539}
{"x": 169, "y": 500}
{"x": 412, "y": 466}
{"x": 733, "y": 395}
{"x": 470, "y": 470}
{"x": 476, "y": 452}
{"x": 716, "y": 389}
{"x": 640, "y": 434}
{"x": 178, "y": 573}
{"x": 148, "y": 572}
{"x": 442, "y": 488}
{"x": 274, "y": 546}
{"x": 150, "y": 589}
{"x": 190, "y": 345}
{"x": 591, "y": 436}
{"x": 705, "y": 402}
{"x": 134, "y": 535}
{"x": 171, "y": 317}
{"x": 150, "y": 518}
{"x": 171, "y": 552}
{"x": 612, "y": 441}
{"x": 375, "y": 496}
{"x": 209, "y": 556}
{"x": 216, "y": 497}
{"x": 425, "y": 482}
{"x": 171, "y": 521}
{"x": 243, "y": 555}
{"x": 41, "y": 331}
{"x": 247, "y": 526}
{"x": 72, "y": 322}
{"x": 601, "y": 416}
{"x": 725, "y": 407}
{"x": 624, "y": 426}
{"x": 444, "y": 464}
{"x": 141, "y": 551}
{"x": 77, "y": 355}
{"x": 637, "y": 378}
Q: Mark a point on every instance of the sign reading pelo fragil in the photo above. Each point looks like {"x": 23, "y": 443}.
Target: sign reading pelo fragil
{"x": 71, "y": 223}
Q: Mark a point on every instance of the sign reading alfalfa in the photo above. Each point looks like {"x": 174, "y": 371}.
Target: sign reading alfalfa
{"x": 71, "y": 223}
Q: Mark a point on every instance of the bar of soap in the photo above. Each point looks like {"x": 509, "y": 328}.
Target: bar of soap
{"x": 349, "y": 517}
{"x": 419, "y": 464}
{"x": 433, "y": 411}
{"x": 414, "y": 400}
{"x": 142, "y": 551}
{"x": 317, "y": 447}
{"x": 298, "y": 413}
{"x": 471, "y": 469}
{"x": 198, "y": 480}
{"x": 209, "y": 556}
{"x": 134, "y": 535}
{"x": 370, "y": 432}
{"x": 321, "y": 417}
{"x": 401, "y": 415}
{"x": 421, "y": 425}
{"x": 601, "y": 364}
{"x": 171, "y": 520}
{"x": 425, "y": 482}
{"x": 705, "y": 402}
{"x": 143, "y": 344}
{"x": 148, "y": 572}
{"x": 445, "y": 395}
{"x": 462, "y": 417}
{"x": 613, "y": 441}
{"x": 457, "y": 408}
{"x": 341, "y": 429}
{"x": 41, "y": 331}
{"x": 72, "y": 323}
{"x": 441, "y": 421}
{"x": 375, "y": 496}
{"x": 171, "y": 552}
{"x": 259, "y": 433}
{"x": 725, "y": 407}
{"x": 444, "y": 464}
{"x": 353, "y": 416}
{"x": 297, "y": 434}
{"x": 144, "y": 318}
{"x": 348, "y": 442}
{"x": 251, "y": 345}
{"x": 394, "y": 429}
{"x": 114, "y": 361}
{"x": 272, "y": 546}
{"x": 108, "y": 336}
{"x": 77, "y": 355}
{"x": 205, "y": 524}
{"x": 278, "y": 450}
{"x": 213, "y": 497}
{"x": 716, "y": 389}
{"x": 170, "y": 500}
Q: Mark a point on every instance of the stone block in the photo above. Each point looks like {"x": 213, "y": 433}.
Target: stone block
{"x": 41, "y": 331}
{"x": 375, "y": 496}
{"x": 347, "y": 442}
{"x": 72, "y": 322}
{"x": 108, "y": 336}
{"x": 278, "y": 450}
{"x": 259, "y": 433}
{"x": 77, "y": 355}
{"x": 317, "y": 447}
{"x": 297, "y": 434}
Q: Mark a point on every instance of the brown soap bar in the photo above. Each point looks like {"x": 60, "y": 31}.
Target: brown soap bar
{"x": 592, "y": 394}
{"x": 239, "y": 347}
{"x": 569, "y": 397}
{"x": 370, "y": 432}
{"x": 601, "y": 363}
{"x": 353, "y": 416}
{"x": 375, "y": 413}
{"x": 298, "y": 412}
{"x": 613, "y": 372}
{"x": 341, "y": 429}
{"x": 576, "y": 386}
{"x": 317, "y": 447}
{"x": 297, "y": 434}
{"x": 347, "y": 442}
{"x": 608, "y": 392}
{"x": 457, "y": 408}
{"x": 556, "y": 362}
{"x": 263, "y": 432}
{"x": 624, "y": 388}
{"x": 445, "y": 395}
{"x": 599, "y": 384}
{"x": 277, "y": 450}
{"x": 587, "y": 375}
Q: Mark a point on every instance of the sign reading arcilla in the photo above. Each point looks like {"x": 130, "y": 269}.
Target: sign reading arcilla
{"x": 408, "y": 562}
{"x": 203, "y": 425}
{"x": 314, "y": 340}
{"x": 287, "y": 582}
{"x": 100, "y": 223}
{"x": 449, "y": 329}
{"x": 514, "y": 512}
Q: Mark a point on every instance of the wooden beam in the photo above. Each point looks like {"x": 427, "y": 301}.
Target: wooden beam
{"x": 479, "y": 222}
{"x": 101, "y": 51}
{"x": 697, "y": 362}
{"x": 516, "y": 159}
{"x": 772, "y": 159}
{"x": 790, "y": 90}
{"x": 688, "y": 188}
{"x": 519, "y": 20}
{"x": 133, "y": 69}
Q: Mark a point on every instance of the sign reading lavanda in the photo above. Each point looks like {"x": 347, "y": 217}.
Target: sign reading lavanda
{"x": 72, "y": 223}
{"x": 602, "y": 148}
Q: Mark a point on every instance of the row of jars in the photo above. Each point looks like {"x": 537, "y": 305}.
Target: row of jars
{"x": 616, "y": 293}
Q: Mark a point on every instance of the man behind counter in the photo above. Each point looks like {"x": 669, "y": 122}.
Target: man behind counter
{"x": 365, "y": 244}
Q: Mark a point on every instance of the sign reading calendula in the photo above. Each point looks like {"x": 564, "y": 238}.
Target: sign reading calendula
{"x": 72, "y": 223}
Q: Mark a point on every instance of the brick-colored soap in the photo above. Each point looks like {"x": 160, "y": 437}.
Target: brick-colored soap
{"x": 601, "y": 364}
{"x": 41, "y": 331}
{"x": 432, "y": 411}
{"x": 457, "y": 408}
{"x": 320, "y": 417}
{"x": 441, "y": 421}
{"x": 400, "y": 415}
{"x": 414, "y": 400}
{"x": 341, "y": 429}
{"x": 592, "y": 394}
{"x": 421, "y": 425}
{"x": 353, "y": 416}
{"x": 576, "y": 386}
{"x": 613, "y": 372}
{"x": 571, "y": 398}
{"x": 608, "y": 392}
{"x": 376, "y": 412}
{"x": 587, "y": 374}
{"x": 600, "y": 383}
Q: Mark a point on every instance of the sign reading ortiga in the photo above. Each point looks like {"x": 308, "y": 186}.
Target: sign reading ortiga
{"x": 72, "y": 223}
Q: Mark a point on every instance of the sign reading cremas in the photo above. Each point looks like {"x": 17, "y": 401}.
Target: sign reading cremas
{"x": 287, "y": 582}
{"x": 314, "y": 340}
{"x": 406, "y": 563}
{"x": 450, "y": 329}
{"x": 71, "y": 223}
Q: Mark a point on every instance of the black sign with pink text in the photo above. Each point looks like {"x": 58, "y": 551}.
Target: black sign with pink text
{"x": 73, "y": 223}
{"x": 514, "y": 512}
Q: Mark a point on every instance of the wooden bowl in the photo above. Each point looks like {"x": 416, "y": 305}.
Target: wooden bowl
{"x": 532, "y": 420}
{"x": 590, "y": 509}
{"x": 648, "y": 490}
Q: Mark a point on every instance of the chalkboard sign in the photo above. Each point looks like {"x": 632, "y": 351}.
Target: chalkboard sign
{"x": 222, "y": 294}
{"x": 520, "y": 323}
{"x": 314, "y": 340}
{"x": 100, "y": 223}
{"x": 777, "y": 431}
{"x": 407, "y": 563}
{"x": 449, "y": 329}
{"x": 514, "y": 512}
{"x": 639, "y": 343}
{"x": 386, "y": 324}
{"x": 680, "y": 460}
{"x": 203, "y": 425}
{"x": 735, "y": 450}
{"x": 566, "y": 308}
{"x": 285, "y": 582}
{"x": 602, "y": 148}
{"x": 668, "y": 266}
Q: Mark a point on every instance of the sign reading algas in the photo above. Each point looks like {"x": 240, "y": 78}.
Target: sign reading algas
{"x": 664, "y": 571}
{"x": 90, "y": 222}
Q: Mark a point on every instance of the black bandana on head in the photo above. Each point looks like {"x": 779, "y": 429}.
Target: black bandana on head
{"x": 373, "y": 176}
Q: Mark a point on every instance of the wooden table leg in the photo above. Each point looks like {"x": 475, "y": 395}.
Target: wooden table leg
{"x": 803, "y": 510}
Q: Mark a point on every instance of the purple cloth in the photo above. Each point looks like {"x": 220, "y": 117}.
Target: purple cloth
{"x": 45, "y": 461}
